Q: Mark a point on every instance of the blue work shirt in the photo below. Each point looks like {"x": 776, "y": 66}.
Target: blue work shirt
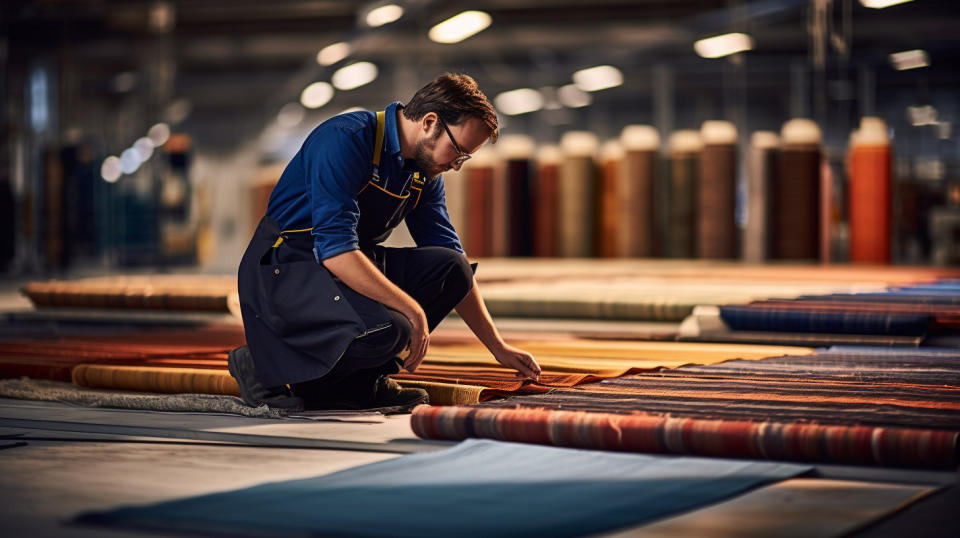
{"x": 319, "y": 188}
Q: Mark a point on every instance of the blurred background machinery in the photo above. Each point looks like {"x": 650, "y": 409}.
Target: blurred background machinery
{"x": 149, "y": 133}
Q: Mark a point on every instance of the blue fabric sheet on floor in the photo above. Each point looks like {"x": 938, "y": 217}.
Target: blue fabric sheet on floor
{"x": 477, "y": 488}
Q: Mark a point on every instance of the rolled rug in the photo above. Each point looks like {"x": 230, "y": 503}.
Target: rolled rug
{"x": 479, "y": 210}
{"x": 685, "y": 147}
{"x": 796, "y": 192}
{"x": 761, "y": 168}
{"x": 638, "y": 232}
{"x": 455, "y": 188}
{"x": 717, "y": 192}
{"x": 546, "y": 202}
{"x": 870, "y": 192}
{"x": 577, "y": 223}
{"x": 608, "y": 221}
{"x": 517, "y": 151}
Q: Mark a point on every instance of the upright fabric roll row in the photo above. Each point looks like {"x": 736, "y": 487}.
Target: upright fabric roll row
{"x": 870, "y": 192}
{"x": 717, "y": 192}
{"x": 796, "y": 193}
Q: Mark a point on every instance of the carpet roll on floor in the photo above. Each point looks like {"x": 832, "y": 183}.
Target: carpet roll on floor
{"x": 717, "y": 192}
{"x": 517, "y": 151}
{"x": 667, "y": 435}
{"x": 682, "y": 188}
{"x": 637, "y": 193}
{"x": 796, "y": 192}
{"x": 546, "y": 202}
{"x": 153, "y": 379}
{"x": 577, "y": 215}
{"x": 761, "y": 167}
{"x": 205, "y": 293}
{"x": 608, "y": 222}
{"x": 871, "y": 184}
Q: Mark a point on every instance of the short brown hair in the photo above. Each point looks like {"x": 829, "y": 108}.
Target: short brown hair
{"x": 452, "y": 97}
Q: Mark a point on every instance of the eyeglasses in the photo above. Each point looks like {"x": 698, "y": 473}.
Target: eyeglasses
{"x": 462, "y": 156}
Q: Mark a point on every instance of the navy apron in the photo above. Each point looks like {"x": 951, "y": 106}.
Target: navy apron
{"x": 298, "y": 318}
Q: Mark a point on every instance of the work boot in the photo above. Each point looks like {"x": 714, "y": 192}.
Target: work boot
{"x": 253, "y": 393}
{"x": 388, "y": 394}
{"x": 370, "y": 389}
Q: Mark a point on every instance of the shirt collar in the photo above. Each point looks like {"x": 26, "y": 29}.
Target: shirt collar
{"x": 391, "y": 129}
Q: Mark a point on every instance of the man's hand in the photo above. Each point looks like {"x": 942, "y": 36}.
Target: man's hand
{"x": 519, "y": 360}
{"x": 419, "y": 340}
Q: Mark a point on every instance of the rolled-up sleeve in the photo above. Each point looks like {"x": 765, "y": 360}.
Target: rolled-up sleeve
{"x": 429, "y": 223}
{"x": 336, "y": 162}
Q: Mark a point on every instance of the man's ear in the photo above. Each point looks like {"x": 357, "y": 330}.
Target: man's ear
{"x": 428, "y": 121}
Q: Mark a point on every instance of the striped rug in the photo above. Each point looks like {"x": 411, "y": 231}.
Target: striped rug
{"x": 845, "y": 404}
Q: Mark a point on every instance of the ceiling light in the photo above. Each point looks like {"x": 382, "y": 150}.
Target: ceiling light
{"x": 880, "y": 4}
{"x": 909, "y": 59}
{"x": 460, "y": 27}
{"x": 383, "y": 15}
{"x": 598, "y": 78}
{"x": 290, "y": 115}
{"x": 110, "y": 169}
{"x": 144, "y": 147}
{"x": 332, "y": 54}
{"x": 354, "y": 75}
{"x": 723, "y": 45}
{"x": 519, "y": 101}
{"x": 130, "y": 161}
{"x": 316, "y": 95}
{"x": 922, "y": 115}
{"x": 159, "y": 134}
{"x": 573, "y": 97}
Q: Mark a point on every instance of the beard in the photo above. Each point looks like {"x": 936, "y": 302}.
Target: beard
{"x": 424, "y": 159}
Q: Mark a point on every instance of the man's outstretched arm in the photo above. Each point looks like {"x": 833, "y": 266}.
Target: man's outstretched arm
{"x": 476, "y": 316}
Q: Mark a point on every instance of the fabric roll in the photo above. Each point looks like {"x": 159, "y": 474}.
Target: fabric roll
{"x": 155, "y": 379}
{"x": 518, "y": 151}
{"x": 717, "y": 192}
{"x": 480, "y": 178}
{"x": 682, "y": 186}
{"x": 577, "y": 215}
{"x": 546, "y": 202}
{"x": 761, "y": 167}
{"x": 499, "y": 202}
{"x": 796, "y": 192}
{"x": 637, "y": 206}
{"x": 206, "y": 293}
{"x": 455, "y": 189}
{"x": 609, "y": 226}
{"x": 667, "y": 435}
{"x": 870, "y": 193}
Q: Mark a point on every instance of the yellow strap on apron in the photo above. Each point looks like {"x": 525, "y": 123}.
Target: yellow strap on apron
{"x": 378, "y": 146}
{"x": 378, "y": 143}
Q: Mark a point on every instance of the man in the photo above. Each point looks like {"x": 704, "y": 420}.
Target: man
{"x": 328, "y": 312}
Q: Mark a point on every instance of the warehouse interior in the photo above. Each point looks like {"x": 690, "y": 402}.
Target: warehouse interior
{"x": 728, "y": 230}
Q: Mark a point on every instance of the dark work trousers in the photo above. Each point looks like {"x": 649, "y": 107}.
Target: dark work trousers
{"x": 437, "y": 278}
